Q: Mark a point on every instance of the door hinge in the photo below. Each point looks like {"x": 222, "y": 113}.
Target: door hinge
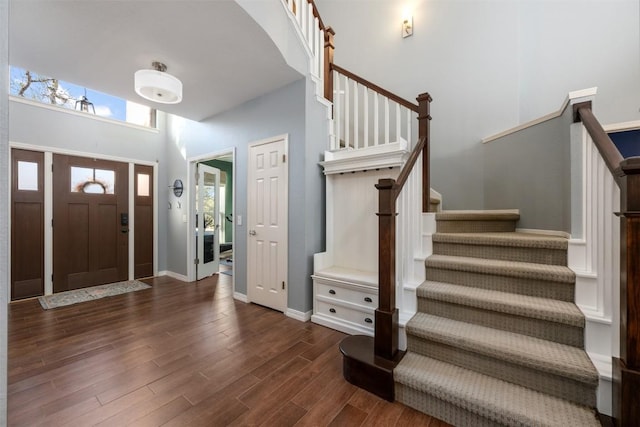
{"x": 196, "y": 261}
{"x": 283, "y": 284}
{"x": 197, "y": 176}
{"x": 52, "y": 278}
{"x": 51, "y": 222}
{"x": 284, "y": 158}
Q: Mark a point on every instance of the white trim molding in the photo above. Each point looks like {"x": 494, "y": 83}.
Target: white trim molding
{"x": 572, "y": 98}
{"x": 173, "y": 275}
{"x": 299, "y": 315}
{"x": 376, "y": 157}
{"x": 240, "y": 297}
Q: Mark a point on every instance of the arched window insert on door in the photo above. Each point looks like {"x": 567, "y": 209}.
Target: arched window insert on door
{"x": 92, "y": 181}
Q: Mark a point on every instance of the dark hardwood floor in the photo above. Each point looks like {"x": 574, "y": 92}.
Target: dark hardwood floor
{"x": 182, "y": 354}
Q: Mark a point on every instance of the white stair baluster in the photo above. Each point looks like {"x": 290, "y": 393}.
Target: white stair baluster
{"x": 365, "y": 139}
{"x": 397, "y": 122}
{"x": 376, "y": 119}
{"x": 347, "y": 127}
{"x": 310, "y": 27}
{"x": 337, "y": 106}
{"x": 356, "y": 117}
{"x": 298, "y": 14}
{"x": 386, "y": 120}
{"x": 409, "y": 140}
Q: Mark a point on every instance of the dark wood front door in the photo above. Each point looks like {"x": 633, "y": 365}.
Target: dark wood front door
{"x": 143, "y": 252}
{"x": 27, "y": 224}
{"x": 90, "y": 222}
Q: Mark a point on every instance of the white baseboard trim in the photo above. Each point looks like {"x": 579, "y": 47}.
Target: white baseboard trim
{"x": 299, "y": 315}
{"x": 173, "y": 275}
{"x": 342, "y": 326}
{"x": 240, "y": 297}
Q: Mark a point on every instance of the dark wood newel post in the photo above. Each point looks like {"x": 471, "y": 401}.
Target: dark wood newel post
{"x": 328, "y": 62}
{"x": 424, "y": 120}
{"x": 386, "y": 315}
{"x": 626, "y": 368}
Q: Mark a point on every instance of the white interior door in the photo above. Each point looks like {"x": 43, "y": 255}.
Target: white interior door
{"x": 208, "y": 221}
{"x": 267, "y": 224}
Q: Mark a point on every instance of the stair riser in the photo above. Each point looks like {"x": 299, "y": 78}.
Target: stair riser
{"x": 440, "y": 409}
{"x": 555, "y": 385}
{"x": 445, "y": 226}
{"x": 532, "y": 287}
{"x": 503, "y": 253}
{"x": 552, "y": 331}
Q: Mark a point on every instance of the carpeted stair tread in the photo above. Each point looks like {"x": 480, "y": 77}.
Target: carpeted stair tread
{"x": 486, "y": 215}
{"x": 547, "y": 356}
{"x": 504, "y": 302}
{"x": 525, "y": 270}
{"x": 519, "y": 240}
{"x": 499, "y": 401}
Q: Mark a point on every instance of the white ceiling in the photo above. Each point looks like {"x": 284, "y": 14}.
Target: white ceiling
{"x": 221, "y": 55}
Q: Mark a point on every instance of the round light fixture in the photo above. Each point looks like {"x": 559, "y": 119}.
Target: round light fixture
{"x": 157, "y": 85}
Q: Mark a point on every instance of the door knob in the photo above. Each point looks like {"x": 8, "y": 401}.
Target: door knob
{"x": 252, "y": 232}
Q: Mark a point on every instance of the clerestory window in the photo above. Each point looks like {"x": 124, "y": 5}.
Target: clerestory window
{"x": 37, "y": 87}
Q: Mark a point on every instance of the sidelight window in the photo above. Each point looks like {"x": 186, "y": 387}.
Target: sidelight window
{"x": 27, "y": 176}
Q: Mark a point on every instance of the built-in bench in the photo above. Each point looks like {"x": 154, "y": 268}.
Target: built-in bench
{"x": 345, "y": 299}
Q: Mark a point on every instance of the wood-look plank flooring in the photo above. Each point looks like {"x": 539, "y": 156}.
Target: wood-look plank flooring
{"x": 182, "y": 354}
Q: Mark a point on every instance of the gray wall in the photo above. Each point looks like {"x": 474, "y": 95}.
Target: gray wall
{"x": 4, "y": 209}
{"x": 277, "y": 113}
{"x": 50, "y": 128}
{"x": 491, "y": 65}
{"x": 531, "y": 170}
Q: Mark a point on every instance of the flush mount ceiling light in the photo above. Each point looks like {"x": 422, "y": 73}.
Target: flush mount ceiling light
{"x": 157, "y": 85}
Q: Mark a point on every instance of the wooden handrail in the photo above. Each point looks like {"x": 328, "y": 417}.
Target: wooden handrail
{"x": 626, "y": 367}
{"x": 392, "y": 96}
{"x": 606, "y": 147}
{"x": 385, "y": 341}
{"x": 408, "y": 166}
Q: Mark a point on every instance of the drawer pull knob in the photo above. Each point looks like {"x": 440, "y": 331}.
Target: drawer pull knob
{"x": 368, "y": 320}
{"x": 332, "y": 292}
{"x": 332, "y": 310}
{"x": 367, "y": 299}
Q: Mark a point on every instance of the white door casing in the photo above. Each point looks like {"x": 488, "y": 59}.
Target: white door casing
{"x": 267, "y": 223}
{"x": 208, "y": 222}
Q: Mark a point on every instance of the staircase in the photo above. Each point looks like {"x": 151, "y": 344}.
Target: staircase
{"x": 497, "y": 339}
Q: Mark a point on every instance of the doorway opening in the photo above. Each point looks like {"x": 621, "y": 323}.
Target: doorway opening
{"x": 211, "y": 207}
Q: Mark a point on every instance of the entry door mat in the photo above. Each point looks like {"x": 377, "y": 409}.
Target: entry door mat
{"x": 62, "y": 299}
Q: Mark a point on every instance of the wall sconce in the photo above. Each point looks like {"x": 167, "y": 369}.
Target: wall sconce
{"x": 407, "y": 26}
{"x": 177, "y": 188}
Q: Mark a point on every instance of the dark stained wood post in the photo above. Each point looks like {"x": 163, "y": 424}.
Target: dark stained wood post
{"x": 386, "y": 324}
{"x": 424, "y": 121}
{"x": 626, "y": 369}
{"x": 328, "y": 62}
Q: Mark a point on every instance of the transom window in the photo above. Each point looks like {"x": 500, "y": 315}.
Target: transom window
{"x": 31, "y": 85}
